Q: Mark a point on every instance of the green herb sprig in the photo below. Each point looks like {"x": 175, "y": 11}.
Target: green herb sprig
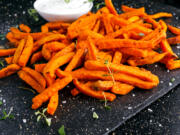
{"x": 7, "y": 115}
{"x": 41, "y": 115}
{"x": 33, "y": 13}
{"x": 105, "y": 102}
{"x": 61, "y": 130}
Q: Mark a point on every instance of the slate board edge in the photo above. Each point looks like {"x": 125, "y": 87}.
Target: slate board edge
{"x": 148, "y": 101}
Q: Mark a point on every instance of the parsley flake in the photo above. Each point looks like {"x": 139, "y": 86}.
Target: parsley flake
{"x": 173, "y": 79}
{"x": 95, "y": 116}
{"x": 7, "y": 115}
{"x": 33, "y": 13}
{"x": 41, "y": 115}
{"x": 67, "y": 1}
{"x": 61, "y": 130}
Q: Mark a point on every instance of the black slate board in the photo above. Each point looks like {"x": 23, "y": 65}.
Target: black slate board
{"x": 76, "y": 113}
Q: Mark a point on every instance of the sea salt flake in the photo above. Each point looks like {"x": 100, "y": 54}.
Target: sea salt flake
{"x": 24, "y": 120}
{"x": 150, "y": 110}
{"x": 170, "y": 84}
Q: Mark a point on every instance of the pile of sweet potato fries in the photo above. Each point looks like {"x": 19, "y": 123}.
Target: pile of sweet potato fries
{"x": 101, "y": 52}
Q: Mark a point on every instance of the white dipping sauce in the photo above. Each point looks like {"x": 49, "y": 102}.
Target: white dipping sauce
{"x": 61, "y": 7}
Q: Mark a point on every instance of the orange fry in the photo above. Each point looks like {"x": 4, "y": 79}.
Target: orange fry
{"x": 39, "y": 67}
{"x": 174, "y": 40}
{"x": 29, "y": 80}
{"x": 76, "y": 60}
{"x": 174, "y": 30}
{"x": 84, "y": 74}
{"x": 160, "y": 15}
{"x": 7, "y": 52}
{"x": 117, "y": 57}
{"x": 9, "y": 60}
{"x": 9, "y": 70}
{"x": 36, "y": 76}
{"x": 134, "y": 71}
{"x": 96, "y": 94}
{"x": 24, "y": 28}
{"x": 53, "y": 64}
{"x": 36, "y": 57}
{"x": 18, "y": 51}
{"x": 59, "y": 84}
{"x": 53, "y": 104}
{"x": 121, "y": 88}
{"x": 27, "y": 51}
{"x": 110, "y": 6}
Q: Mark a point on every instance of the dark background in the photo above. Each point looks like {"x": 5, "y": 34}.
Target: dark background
{"x": 162, "y": 117}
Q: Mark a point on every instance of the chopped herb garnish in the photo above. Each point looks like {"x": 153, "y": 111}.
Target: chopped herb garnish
{"x": 33, "y": 13}
{"x": 173, "y": 79}
{"x": 107, "y": 107}
{"x": 141, "y": 34}
{"x": 7, "y": 115}
{"x": 1, "y": 103}
{"x": 61, "y": 130}
{"x": 105, "y": 75}
{"x": 110, "y": 72}
{"x": 41, "y": 115}
{"x": 98, "y": 5}
{"x": 2, "y": 36}
{"x": 1, "y": 63}
{"x": 105, "y": 102}
{"x": 24, "y": 88}
{"x": 95, "y": 116}
{"x": 90, "y": 0}
{"x": 75, "y": 43}
{"x": 67, "y": 1}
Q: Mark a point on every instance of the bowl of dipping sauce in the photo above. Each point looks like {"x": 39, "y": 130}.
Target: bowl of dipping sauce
{"x": 62, "y": 10}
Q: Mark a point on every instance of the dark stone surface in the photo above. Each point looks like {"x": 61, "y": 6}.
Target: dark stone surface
{"x": 76, "y": 113}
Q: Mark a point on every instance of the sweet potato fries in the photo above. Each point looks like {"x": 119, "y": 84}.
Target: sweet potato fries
{"x": 99, "y": 53}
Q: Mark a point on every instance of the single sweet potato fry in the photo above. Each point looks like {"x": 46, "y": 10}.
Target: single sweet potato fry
{"x": 46, "y": 39}
{"x": 27, "y": 51}
{"x": 90, "y": 92}
{"x": 121, "y": 88}
{"x": 128, "y": 9}
{"x": 11, "y": 39}
{"x": 110, "y": 6}
{"x": 174, "y": 30}
{"x": 76, "y": 60}
{"x": 44, "y": 28}
{"x": 147, "y": 60}
{"x": 167, "y": 48}
{"x": 53, "y": 104}
{"x": 18, "y": 51}
{"x": 160, "y": 15}
{"x": 174, "y": 40}
{"x": 133, "y": 71}
{"x": 117, "y": 57}
{"x": 59, "y": 84}
{"x": 54, "y": 64}
{"x": 36, "y": 57}
{"x": 36, "y": 76}
{"x": 25, "y": 28}
{"x": 9, "y": 70}
{"x": 102, "y": 85}
{"x": 9, "y": 60}
{"x": 120, "y": 43}
{"x": 7, "y": 52}
{"x": 39, "y": 67}
{"x": 29, "y": 80}
{"x": 135, "y": 52}
{"x": 84, "y": 74}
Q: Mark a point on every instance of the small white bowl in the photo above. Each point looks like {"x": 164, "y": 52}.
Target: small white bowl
{"x": 62, "y": 16}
